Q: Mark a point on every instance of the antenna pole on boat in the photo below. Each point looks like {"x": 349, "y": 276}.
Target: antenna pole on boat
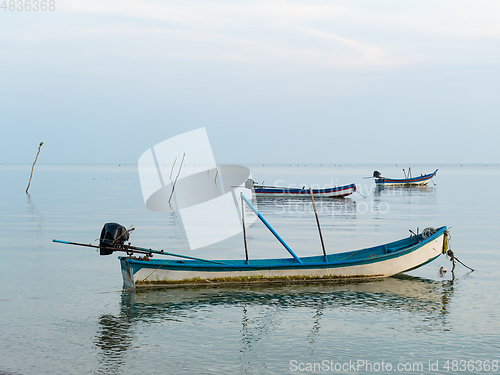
{"x": 317, "y": 221}
{"x": 270, "y": 228}
{"x": 244, "y": 230}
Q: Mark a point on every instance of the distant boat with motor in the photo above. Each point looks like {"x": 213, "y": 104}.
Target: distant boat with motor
{"x": 373, "y": 262}
{"x": 423, "y": 179}
{"x": 284, "y": 192}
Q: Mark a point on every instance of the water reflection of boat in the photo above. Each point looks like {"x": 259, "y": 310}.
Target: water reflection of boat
{"x": 402, "y": 291}
{"x": 330, "y": 207}
{"x": 426, "y": 300}
{"x": 403, "y": 190}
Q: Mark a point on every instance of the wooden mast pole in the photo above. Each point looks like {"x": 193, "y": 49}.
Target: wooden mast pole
{"x": 317, "y": 221}
{"x": 244, "y": 230}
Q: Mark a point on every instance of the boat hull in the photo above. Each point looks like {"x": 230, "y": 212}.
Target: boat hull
{"x": 379, "y": 261}
{"x": 421, "y": 180}
{"x": 334, "y": 192}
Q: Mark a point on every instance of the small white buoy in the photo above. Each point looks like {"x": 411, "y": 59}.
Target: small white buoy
{"x": 442, "y": 270}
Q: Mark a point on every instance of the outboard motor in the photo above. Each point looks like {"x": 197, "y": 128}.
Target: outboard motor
{"x": 376, "y": 174}
{"x": 112, "y": 235}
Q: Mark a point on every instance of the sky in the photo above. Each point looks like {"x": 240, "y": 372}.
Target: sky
{"x": 102, "y": 81}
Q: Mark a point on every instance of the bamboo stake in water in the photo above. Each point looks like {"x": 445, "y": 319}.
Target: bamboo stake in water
{"x": 173, "y": 165}
{"x": 317, "y": 221}
{"x": 173, "y": 186}
{"x": 33, "y": 167}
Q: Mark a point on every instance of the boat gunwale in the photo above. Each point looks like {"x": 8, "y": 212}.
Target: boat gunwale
{"x": 289, "y": 263}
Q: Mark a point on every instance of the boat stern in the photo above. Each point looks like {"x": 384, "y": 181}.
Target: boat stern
{"x": 127, "y": 273}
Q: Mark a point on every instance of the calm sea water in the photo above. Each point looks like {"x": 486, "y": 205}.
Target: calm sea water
{"x": 62, "y": 310}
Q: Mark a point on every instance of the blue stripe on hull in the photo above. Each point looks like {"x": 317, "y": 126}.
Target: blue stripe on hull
{"x": 297, "y": 191}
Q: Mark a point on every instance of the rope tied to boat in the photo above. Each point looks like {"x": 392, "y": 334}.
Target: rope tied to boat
{"x": 453, "y": 258}
{"x": 357, "y": 191}
{"x": 447, "y": 250}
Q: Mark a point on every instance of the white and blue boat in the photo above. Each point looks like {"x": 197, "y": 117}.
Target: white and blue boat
{"x": 283, "y": 192}
{"x": 408, "y": 180}
{"x": 379, "y": 261}
{"x": 373, "y": 262}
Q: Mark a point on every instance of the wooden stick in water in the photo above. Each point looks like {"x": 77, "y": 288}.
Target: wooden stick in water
{"x": 33, "y": 167}
{"x": 317, "y": 221}
{"x": 173, "y": 186}
{"x": 173, "y": 165}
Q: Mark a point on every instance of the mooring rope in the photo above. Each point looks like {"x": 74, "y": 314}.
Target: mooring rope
{"x": 357, "y": 191}
{"x": 453, "y": 258}
{"x": 450, "y": 253}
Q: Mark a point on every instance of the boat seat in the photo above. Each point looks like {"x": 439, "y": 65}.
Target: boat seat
{"x": 389, "y": 250}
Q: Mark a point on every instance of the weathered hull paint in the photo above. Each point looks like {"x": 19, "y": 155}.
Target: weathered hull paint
{"x": 379, "y": 261}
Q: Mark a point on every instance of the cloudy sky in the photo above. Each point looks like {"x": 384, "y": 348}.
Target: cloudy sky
{"x": 102, "y": 81}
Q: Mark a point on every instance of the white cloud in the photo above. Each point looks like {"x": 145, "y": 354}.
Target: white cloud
{"x": 305, "y": 34}
{"x": 247, "y": 32}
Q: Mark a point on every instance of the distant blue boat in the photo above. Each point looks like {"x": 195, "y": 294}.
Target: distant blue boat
{"x": 421, "y": 180}
{"x": 333, "y": 192}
